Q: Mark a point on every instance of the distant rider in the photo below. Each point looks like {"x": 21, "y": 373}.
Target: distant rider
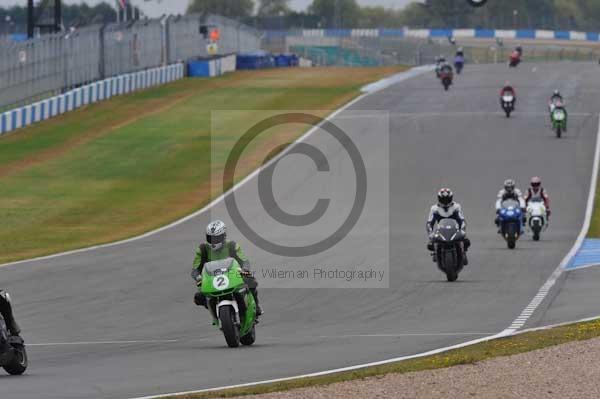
{"x": 217, "y": 247}
{"x": 7, "y": 314}
{"x": 557, "y": 101}
{"x": 536, "y": 191}
{"x": 459, "y": 57}
{"x": 439, "y": 61}
{"x": 510, "y": 191}
{"x": 508, "y": 90}
{"x": 446, "y": 208}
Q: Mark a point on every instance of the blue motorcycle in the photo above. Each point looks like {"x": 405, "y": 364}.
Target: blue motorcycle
{"x": 511, "y": 222}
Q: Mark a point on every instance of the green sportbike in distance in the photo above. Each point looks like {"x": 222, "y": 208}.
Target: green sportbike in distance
{"x": 559, "y": 121}
{"x": 230, "y": 301}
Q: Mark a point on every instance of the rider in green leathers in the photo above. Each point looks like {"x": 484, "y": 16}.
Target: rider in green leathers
{"x": 217, "y": 247}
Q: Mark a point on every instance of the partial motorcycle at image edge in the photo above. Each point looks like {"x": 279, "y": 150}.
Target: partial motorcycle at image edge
{"x": 448, "y": 241}
{"x": 537, "y": 217}
{"x": 13, "y": 355}
{"x": 559, "y": 120}
{"x": 508, "y": 104}
{"x": 230, "y": 301}
{"x": 510, "y": 217}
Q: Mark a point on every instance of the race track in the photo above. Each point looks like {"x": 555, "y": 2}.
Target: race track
{"x": 119, "y": 322}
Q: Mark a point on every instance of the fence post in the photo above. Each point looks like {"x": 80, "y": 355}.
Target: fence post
{"x": 167, "y": 40}
{"x": 101, "y": 67}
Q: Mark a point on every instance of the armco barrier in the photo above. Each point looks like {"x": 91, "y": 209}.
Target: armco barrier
{"x": 436, "y": 33}
{"x": 88, "y": 94}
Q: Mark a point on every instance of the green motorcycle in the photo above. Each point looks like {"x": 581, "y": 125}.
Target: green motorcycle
{"x": 559, "y": 121}
{"x": 230, "y": 302}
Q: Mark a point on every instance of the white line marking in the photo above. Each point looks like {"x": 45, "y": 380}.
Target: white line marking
{"x": 157, "y": 341}
{"x": 327, "y": 372}
{"x": 543, "y": 292}
{"x": 216, "y": 200}
{"x": 401, "y": 335}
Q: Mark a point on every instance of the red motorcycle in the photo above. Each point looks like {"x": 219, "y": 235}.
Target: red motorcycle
{"x": 446, "y": 76}
{"x": 515, "y": 59}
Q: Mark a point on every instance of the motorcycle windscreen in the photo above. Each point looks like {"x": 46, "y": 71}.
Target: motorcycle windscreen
{"x": 448, "y": 229}
{"x": 511, "y": 203}
{"x": 220, "y": 266}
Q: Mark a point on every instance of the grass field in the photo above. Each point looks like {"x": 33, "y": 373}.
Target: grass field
{"x": 122, "y": 167}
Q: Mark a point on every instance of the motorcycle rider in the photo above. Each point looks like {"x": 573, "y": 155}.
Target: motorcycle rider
{"x": 439, "y": 61}
{"x": 536, "y": 191}
{"x": 446, "y": 208}
{"x": 510, "y": 191}
{"x": 217, "y": 247}
{"x": 508, "y": 90}
{"x": 557, "y": 101}
{"x": 7, "y": 314}
{"x": 519, "y": 49}
{"x": 515, "y": 56}
{"x": 460, "y": 52}
{"x": 556, "y": 98}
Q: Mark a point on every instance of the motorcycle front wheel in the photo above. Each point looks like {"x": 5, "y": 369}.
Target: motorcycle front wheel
{"x": 19, "y": 363}
{"x": 229, "y": 326}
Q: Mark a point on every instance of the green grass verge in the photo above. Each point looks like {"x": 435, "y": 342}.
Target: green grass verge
{"x": 471, "y": 354}
{"x": 119, "y": 168}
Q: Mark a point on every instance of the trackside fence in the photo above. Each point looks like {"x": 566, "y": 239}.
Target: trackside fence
{"x": 53, "y": 64}
{"x": 88, "y": 94}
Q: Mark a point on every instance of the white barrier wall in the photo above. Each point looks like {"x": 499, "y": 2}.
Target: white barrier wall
{"x": 89, "y": 94}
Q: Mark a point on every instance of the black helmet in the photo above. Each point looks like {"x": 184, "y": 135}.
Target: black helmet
{"x": 509, "y": 186}
{"x": 445, "y": 198}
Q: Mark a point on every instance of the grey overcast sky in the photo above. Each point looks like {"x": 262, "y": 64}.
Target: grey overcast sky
{"x": 158, "y": 7}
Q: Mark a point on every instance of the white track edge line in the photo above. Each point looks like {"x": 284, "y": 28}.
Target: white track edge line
{"x": 526, "y": 314}
{"x": 407, "y": 75}
{"x": 351, "y": 368}
{"x": 512, "y": 330}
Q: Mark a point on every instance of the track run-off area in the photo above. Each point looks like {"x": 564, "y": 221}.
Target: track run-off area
{"x": 119, "y": 321}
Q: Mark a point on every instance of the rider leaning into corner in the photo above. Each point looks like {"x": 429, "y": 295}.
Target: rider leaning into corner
{"x": 537, "y": 192}
{"x": 7, "y": 314}
{"x": 446, "y": 208}
{"x": 217, "y": 247}
{"x": 510, "y": 191}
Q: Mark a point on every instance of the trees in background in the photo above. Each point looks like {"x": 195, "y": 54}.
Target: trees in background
{"x": 228, "y": 8}
{"x": 276, "y": 14}
{"x": 272, "y": 8}
{"x": 336, "y": 13}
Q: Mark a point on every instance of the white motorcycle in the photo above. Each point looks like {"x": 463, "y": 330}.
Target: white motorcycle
{"x": 537, "y": 217}
{"x": 508, "y": 103}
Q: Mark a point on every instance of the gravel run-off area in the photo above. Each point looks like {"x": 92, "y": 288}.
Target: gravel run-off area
{"x": 568, "y": 371}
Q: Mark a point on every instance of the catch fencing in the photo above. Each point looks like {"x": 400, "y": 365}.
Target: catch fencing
{"x": 363, "y": 47}
{"x": 52, "y": 64}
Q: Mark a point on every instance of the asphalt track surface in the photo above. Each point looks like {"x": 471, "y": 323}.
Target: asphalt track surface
{"x": 119, "y": 322}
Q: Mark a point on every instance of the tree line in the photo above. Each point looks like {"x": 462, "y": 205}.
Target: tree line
{"x": 497, "y": 14}
{"x": 277, "y": 14}
{"x": 14, "y": 19}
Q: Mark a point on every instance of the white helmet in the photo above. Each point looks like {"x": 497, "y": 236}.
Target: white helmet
{"x": 215, "y": 234}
